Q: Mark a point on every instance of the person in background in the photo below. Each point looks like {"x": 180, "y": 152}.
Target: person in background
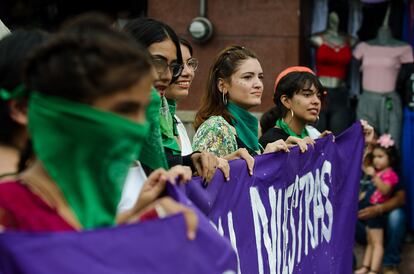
{"x": 379, "y": 166}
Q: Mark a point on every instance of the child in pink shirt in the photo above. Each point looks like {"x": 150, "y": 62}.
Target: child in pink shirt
{"x": 382, "y": 158}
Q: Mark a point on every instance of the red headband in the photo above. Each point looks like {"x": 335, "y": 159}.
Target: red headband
{"x": 289, "y": 70}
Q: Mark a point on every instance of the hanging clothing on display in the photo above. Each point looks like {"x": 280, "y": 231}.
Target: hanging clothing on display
{"x": 379, "y": 104}
{"x": 333, "y": 60}
{"x": 405, "y": 85}
{"x": 354, "y": 24}
{"x": 333, "y": 56}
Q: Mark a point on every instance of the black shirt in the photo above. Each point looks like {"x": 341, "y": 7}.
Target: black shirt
{"x": 272, "y": 135}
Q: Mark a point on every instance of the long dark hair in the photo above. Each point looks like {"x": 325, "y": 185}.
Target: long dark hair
{"x": 148, "y": 31}
{"x": 187, "y": 44}
{"x": 289, "y": 85}
{"x": 14, "y": 49}
{"x": 226, "y": 63}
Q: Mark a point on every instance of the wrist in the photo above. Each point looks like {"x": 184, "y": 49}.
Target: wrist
{"x": 379, "y": 208}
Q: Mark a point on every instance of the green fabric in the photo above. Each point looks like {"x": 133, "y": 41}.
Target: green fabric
{"x": 17, "y": 93}
{"x": 172, "y": 105}
{"x": 282, "y": 124}
{"x": 87, "y": 152}
{"x": 152, "y": 153}
{"x": 167, "y": 128}
{"x": 247, "y": 126}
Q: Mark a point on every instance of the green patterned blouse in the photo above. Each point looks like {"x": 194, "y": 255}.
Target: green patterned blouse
{"x": 215, "y": 135}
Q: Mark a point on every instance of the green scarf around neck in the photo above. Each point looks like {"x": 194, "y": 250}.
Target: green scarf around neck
{"x": 172, "y": 105}
{"x": 280, "y": 123}
{"x": 167, "y": 128}
{"x": 152, "y": 153}
{"x": 87, "y": 153}
{"x": 247, "y": 126}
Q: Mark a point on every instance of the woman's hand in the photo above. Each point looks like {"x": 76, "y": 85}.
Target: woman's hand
{"x": 223, "y": 165}
{"x": 156, "y": 181}
{"x": 167, "y": 206}
{"x": 206, "y": 164}
{"x": 368, "y": 131}
{"x": 242, "y": 153}
{"x": 326, "y": 133}
{"x": 302, "y": 143}
{"x": 179, "y": 173}
{"x": 278, "y": 145}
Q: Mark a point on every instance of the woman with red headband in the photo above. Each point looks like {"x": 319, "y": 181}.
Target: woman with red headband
{"x": 298, "y": 100}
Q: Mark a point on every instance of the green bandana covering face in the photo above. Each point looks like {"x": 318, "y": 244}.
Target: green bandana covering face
{"x": 247, "y": 126}
{"x": 152, "y": 153}
{"x": 87, "y": 153}
{"x": 282, "y": 124}
{"x": 167, "y": 128}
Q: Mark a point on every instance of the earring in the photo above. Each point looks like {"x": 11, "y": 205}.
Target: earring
{"x": 291, "y": 111}
{"x": 224, "y": 99}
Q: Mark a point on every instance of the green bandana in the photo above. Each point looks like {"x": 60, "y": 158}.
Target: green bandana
{"x": 87, "y": 153}
{"x": 167, "y": 128}
{"x": 17, "y": 93}
{"x": 172, "y": 105}
{"x": 247, "y": 126}
{"x": 152, "y": 153}
{"x": 282, "y": 124}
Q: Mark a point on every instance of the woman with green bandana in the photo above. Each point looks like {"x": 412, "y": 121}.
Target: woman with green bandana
{"x": 298, "y": 100}
{"x": 14, "y": 48}
{"x": 224, "y": 124}
{"x": 298, "y": 96}
{"x": 164, "y": 47}
{"x": 89, "y": 92}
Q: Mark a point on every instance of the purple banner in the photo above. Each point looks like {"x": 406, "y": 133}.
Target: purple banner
{"x": 296, "y": 214}
{"x": 158, "y": 246}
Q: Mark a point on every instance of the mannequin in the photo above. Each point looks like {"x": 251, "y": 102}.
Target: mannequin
{"x": 382, "y": 58}
{"x": 333, "y": 56}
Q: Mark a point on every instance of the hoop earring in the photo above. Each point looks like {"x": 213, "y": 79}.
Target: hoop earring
{"x": 224, "y": 99}
{"x": 291, "y": 111}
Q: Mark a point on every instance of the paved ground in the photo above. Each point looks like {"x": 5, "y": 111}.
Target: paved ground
{"x": 407, "y": 265}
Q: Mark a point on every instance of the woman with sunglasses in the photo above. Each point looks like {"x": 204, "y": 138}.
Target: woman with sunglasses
{"x": 164, "y": 46}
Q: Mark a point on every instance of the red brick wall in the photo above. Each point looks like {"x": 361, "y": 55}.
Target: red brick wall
{"x": 268, "y": 27}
